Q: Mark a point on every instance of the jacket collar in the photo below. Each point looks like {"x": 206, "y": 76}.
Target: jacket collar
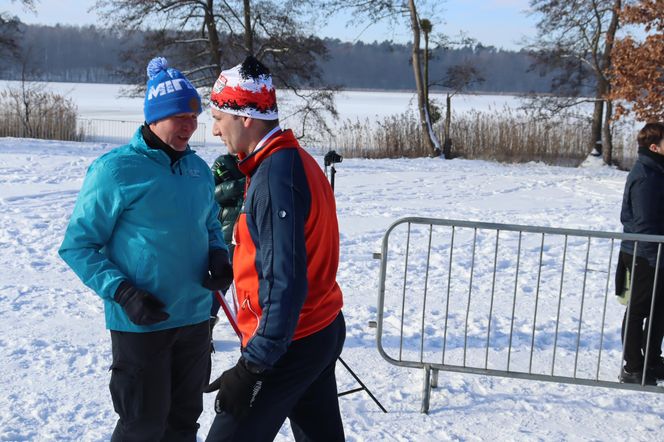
{"x": 652, "y": 160}
{"x": 277, "y": 141}
{"x": 139, "y": 145}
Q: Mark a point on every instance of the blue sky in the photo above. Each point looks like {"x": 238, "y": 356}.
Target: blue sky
{"x": 500, "y": 23}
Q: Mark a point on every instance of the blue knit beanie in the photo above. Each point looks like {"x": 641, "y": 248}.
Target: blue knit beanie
{"x": 168, "y": 92}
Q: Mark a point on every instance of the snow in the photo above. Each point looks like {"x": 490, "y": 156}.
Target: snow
{"x": 106, "y": 102}
{"x": 55, "y": 352}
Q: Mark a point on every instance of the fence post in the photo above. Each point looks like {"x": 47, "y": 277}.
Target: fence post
{"x": 426, "y": 389}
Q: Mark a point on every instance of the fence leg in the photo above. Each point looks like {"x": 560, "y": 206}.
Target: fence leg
{"x": 426, "y": 390}
{"x": 434, "y": 378}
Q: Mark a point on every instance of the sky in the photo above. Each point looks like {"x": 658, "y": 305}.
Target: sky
{"x": 499, "y": 23}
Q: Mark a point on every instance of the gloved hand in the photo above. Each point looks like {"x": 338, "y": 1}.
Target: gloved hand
{"x": 221, "y": 271}
{"x": 238, "y": 388}
{"x": 141, "y": 307}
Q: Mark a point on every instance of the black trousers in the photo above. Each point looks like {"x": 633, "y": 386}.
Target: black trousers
{"x": 157, "y": 382}
{"x": 637, "y": 323}
{"x": 302, "y": 387}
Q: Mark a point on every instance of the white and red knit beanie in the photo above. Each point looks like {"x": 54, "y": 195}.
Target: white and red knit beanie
{"x": 246, "y": 90}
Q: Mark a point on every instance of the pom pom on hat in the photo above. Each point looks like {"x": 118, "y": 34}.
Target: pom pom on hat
{"x": 246, "y": 90}
{"x": 168, "y": 92}
{"x": 156, "y": 65}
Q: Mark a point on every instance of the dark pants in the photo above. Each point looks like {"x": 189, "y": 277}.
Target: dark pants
{"x": 157, "y": 383}
{"x": 639, "y": 313}
{"x": 302, "y": 387}
{"x": 214, "y": 311}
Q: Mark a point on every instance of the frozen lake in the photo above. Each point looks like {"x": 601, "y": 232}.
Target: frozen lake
{"x": 106, "y": 102}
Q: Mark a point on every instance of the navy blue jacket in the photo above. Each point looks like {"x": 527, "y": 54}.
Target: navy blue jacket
{"x": 643, "y": 206}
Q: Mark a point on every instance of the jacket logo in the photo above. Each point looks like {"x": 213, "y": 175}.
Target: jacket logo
{"x": 195, "y": 173}
{"x": 168, "y": 87}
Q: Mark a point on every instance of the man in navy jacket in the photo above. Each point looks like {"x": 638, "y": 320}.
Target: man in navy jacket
{"x": 643, "y": 212}
{"x": 285, "y": 267}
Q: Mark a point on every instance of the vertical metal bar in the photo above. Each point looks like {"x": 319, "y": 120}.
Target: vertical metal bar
{"x": 583, "y": 299}
{"x": 560, "y": 299}
{"x": 426, "y": 389}
{"x": 629, "y": 303}
{"x": 516, "y": 285}
{"x": 447, "y": 303}
{"x": 403, "y": 296}
{"x": 606, "y": 298}
{"x": 650, "y": 316}
{"x": 539, "y": 277}
{"x": 424, "y": 304}
{"x": 434, "y": 378}
{"x": 493, "y": 291}
{"x": 470, "y": 290}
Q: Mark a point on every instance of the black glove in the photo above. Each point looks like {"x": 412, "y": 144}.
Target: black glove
{"x": 221, "y": 271}
{"x": 238, "y": 388}
{"x": 143, "y": 308}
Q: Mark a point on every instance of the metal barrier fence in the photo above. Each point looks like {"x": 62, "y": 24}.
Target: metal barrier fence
{"x": 121, "y": 131}
{"x": 83, "y": 129}
{"x": 502, "y": 300}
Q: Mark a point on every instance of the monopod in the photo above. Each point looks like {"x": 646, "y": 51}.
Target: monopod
{"x": 330, "y": 159}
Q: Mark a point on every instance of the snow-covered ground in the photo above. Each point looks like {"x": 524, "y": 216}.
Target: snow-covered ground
{"x": 55, "y": 352}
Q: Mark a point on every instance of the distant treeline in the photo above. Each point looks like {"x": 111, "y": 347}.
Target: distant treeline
{"x": 94, "y": 55}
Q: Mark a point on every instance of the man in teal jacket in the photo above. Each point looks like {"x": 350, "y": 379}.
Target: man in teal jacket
{"x": 144, "y": 236}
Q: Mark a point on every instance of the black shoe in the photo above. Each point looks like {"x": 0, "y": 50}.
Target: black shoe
{"x": 656, "y": 369}
{"x": 635, "y": 377}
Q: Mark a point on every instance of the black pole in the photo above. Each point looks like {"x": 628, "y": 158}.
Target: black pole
{"x": 332, "y": 172}
{"x": 330, "y": 158}
{"x": 355, "y": 390}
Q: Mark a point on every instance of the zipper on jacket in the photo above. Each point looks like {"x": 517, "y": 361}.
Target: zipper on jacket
{"x": 248, "y": 305}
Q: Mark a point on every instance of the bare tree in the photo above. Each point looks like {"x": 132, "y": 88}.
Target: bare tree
{"x": 573, "y": 41}
{"x": 427, "y": 27}
{"x": 204, "y": 35}
{"x": 432, "y": 143}
{"x": 10, "y": 29}
{"x": 372, "y": 11}
{"x": 458, "y": 78}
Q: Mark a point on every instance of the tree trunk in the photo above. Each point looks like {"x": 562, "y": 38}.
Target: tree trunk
{"x": 425, "y": 82}
{"x": 417, "y": 71}
{"x": 248, "y": 32}
{"x": 213, "y": 36}
{"x": 595, "y": 141}
{"x": 447, "y": 143}
{"x": 607, "y": 139}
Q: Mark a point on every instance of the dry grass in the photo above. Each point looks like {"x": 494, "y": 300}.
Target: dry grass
{"x": 30, "y": 112}
{"x": 503, "y": 136}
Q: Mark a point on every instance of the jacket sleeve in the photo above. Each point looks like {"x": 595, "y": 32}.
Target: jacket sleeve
{"x": 647, "y": 207}
{"x": 229, "y": 192}
{"x": 280, "y": 206}
{"x": 215, "y": 237}
{"x": 98, "y": 207}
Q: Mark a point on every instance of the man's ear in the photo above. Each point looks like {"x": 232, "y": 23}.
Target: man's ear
{"x": 247, "y": 122}
{"x": 653, "y": 148}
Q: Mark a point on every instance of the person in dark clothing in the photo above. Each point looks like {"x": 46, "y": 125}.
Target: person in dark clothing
{"x": 144, "y": 235}
{"x": 643, "y": 212}
{"x": 285, "y": 266}
{"x": 229, "y": 194}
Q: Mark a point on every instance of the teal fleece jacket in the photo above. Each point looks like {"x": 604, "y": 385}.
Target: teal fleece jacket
{"x": 139, "y": 218}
